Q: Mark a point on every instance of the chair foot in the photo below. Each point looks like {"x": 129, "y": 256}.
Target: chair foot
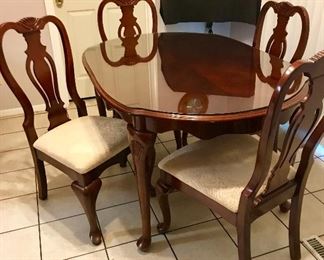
{"x": 284, "y": 207}
{"x": 41, "y": 179}
{"x": 88, "y": 196}
{"x": 123, "y": 164}
{"x": 163, "y": 227}
{"x": 143, "y": 244}
{"x": 95, "y": 237}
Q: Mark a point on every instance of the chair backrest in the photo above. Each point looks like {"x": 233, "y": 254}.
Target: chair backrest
{"x": 277, "y": 43}
{"x": 303, "y": 132}
{"x": 41, "y": 71}
{"x": 128, "y": 23}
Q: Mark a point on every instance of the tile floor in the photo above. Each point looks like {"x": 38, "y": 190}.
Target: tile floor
{"x": 57, "y": 228}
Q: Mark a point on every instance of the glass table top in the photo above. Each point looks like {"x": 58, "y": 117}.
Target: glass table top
{"x": 184, "y": 73}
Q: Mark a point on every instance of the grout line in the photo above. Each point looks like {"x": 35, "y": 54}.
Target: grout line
{"x": 64, "y": 186}
{"x": 22, "y": 131}
{"x": 18, "y": 196}
{"x": 220, "y": 223}
{"x": 165, "y": 236}
{"x": 280, "y": 219}
{"x": 191, "y": 225}
{"x": 166, "y": 147}
{"x": 102, "y": 237}
{"x": 18, "y": 170}
{"x": 317, "y": 198}
{"x": 89, "y": 253}
{"x": 213, "y": 214}
{"x": 272, "y": 251}
{"x": 17, "y": 229}
{"x": 14, "y": 149}
{"x": 83, "y": 213}
{"x": 172, "y": 250}
{"x": 128, "y": 242}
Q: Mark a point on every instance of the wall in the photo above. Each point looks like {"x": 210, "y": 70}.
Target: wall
{"x": 13, "y": 10}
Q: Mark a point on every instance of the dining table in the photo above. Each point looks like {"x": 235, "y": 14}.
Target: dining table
{"x": 203, "y": 84}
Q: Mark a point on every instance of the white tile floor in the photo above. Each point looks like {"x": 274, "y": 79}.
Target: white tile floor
{"x": 57, "y": 228}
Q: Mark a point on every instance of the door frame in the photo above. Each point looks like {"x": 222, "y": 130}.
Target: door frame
{"x": 58, "y": 55}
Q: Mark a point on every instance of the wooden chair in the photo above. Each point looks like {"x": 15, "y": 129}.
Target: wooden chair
{"x": 127, "y": 28}
{"x": 277, "y": 43}
{"x": 82, "y": 148}
{"x": 241, "y": 186}
{"x": 277, "y": 46}
{"x": 128, "y": 23}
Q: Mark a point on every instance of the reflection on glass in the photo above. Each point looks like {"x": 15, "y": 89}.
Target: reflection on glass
{"x": 130, "y": 57}
{"x": 184, "y": 73}
{"x": 276, "y": 66}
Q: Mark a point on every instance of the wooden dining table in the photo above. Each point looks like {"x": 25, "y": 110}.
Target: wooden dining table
{"x": 202, "y": 84}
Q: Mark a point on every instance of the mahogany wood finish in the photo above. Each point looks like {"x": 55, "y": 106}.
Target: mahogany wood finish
{"x": 147, "y": 119}
{"x": 143, "y": 152}
{"x": 306, "y": 115}
{"x": 41, "y": 71}
{"x": 277, "y": 44}
{"x": 128, "y": 26}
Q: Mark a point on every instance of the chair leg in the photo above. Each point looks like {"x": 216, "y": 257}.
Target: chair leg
{"x": 285, "y": 207}
{"x": 294, "y": 227}
{"x": 162, "y": 191}
{"x": 244, "y": 240}
{"x": 184, "y": 138}
{"x": 124, "y": 154}
{"x": 177, "y": 136}
{"x": 41, "y": 179}
{"x": 88, "y": 197}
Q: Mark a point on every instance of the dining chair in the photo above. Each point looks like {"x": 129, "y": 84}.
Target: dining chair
{"x": 277, "y": 46}
{"x": 128, "y": 28}
{"x": 82, "y": 148}
{"x": 128, "y": 23}
{"x": 240, "y": 177}
{"x": 277, "y": 43}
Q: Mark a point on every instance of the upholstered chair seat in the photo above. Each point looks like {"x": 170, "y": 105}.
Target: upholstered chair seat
{"x": 219, "y": 168}
{"x": 84, "y": 143}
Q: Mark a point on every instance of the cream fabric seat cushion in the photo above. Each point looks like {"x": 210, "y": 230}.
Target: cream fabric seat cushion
{"x": 219, "y": 168}
{"x": 84, "y": 143}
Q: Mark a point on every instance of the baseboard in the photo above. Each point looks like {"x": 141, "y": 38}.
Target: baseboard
{"x": 19, "y": 111}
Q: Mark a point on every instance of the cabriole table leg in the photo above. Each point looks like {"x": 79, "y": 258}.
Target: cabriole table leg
{"x": 143, "y": 152}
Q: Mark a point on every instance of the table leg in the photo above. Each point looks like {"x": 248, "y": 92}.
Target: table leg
{"x": 143, "y": 152}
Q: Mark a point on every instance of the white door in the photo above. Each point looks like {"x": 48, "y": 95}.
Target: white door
{"x": 80, "y": 20}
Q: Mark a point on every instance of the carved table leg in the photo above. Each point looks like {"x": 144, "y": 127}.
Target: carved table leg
{"x": 143, "y": 152}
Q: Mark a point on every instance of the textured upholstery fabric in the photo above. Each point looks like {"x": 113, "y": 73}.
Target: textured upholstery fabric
{"x": 84, "y": 143}
{"x": 219, "y": 168}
